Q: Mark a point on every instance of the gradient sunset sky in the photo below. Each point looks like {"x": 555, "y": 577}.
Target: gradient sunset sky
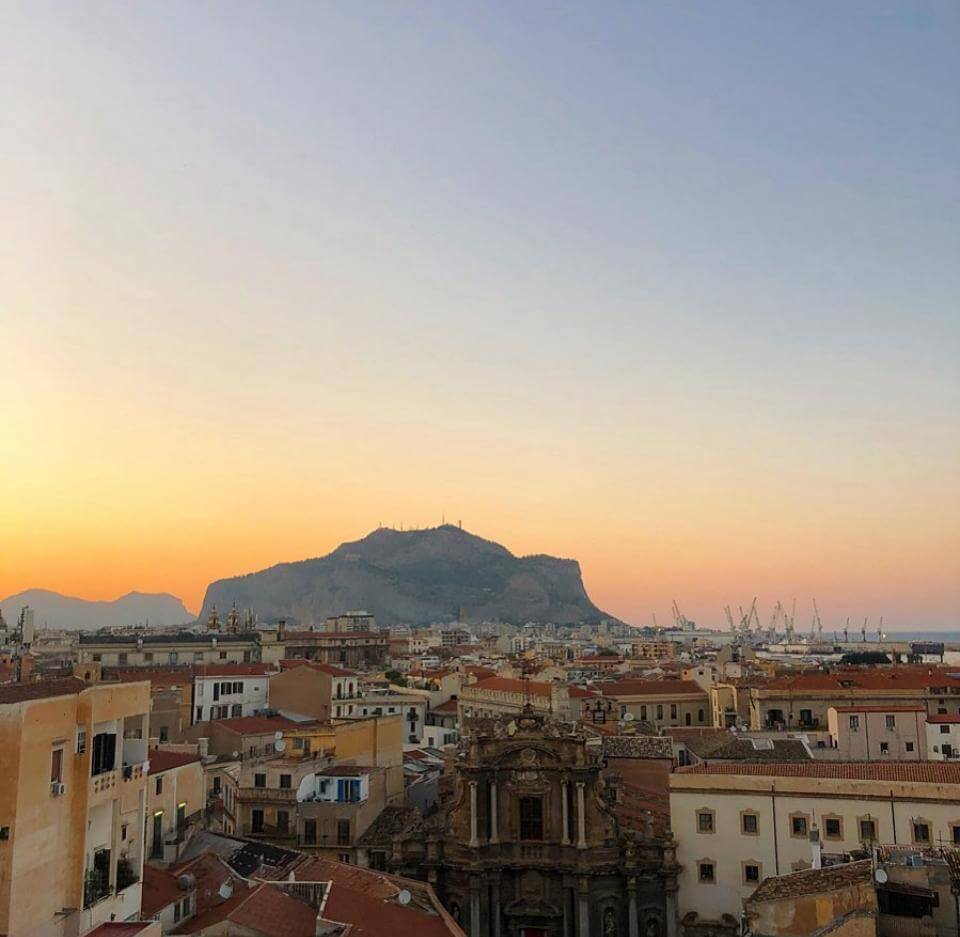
{"x": 671, "y": 288}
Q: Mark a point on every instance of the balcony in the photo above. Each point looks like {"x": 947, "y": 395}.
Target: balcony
{"x": 103, "y": 782}
{"x": 267, "y": 795}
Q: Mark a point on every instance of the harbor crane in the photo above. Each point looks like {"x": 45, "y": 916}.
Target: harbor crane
{"x": 817, "y": 622}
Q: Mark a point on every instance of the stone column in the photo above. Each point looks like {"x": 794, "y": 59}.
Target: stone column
{"x": 494, "y": 831}
{"x": 632, "y": 916}
{"x": 565, "y": 832}
{"x": 567, "y": 923}
{"x": 581, "y": 818}
{"x": 495, "y": 908}
{"x": 474, "y": 840}
{"x": 672, "y": 923}
{"x": 474, "y": 911}
{"x": 583, "y": 915}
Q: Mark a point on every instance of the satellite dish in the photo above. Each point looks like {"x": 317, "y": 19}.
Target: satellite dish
{"x": 628, "y": 717}
{"x": 236, "y": 754}
{"x": 279, "y": 745}
{"x": 278, "y": 736}
{"x": 226, "y": 891}
{"x": 881, "y": 876}
{"x": 405, "y": 896}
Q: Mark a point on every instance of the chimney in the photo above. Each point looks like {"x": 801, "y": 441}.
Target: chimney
{"x": 281, "y": 629}
{"x": 815, "y": 848}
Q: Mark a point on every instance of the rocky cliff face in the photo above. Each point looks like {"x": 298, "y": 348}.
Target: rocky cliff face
{"x": 413, "y": 577}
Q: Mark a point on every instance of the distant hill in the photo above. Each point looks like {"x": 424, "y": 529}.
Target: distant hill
{"x": 63, "y": 611}
{"x": 414, "y": 577}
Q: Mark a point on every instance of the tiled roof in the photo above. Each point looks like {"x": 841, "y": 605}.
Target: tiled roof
{"x": 901, "y": 677}
{"x": 376, "y": 917}
{"x": 233, "y": 670}
{"x": 943, "y": 718}
{"x": 813, "y": 881}
{"x": 160, "y": 888}
{"x": 270, "y": 912}
{"x": 289, "y": 662}
{"x": 344, "y": 771}
{"x": 652, "y": 688}
{"x": 637, "y": 746}
{"x": 158, "y": 676}
{"x": 892, "y": 708}
{"x": 40, "y": 689}
{"x": 510, "y": 685}
{"x": 257, "y": 725}
{"x": 161, "y": 760}
{"x": 579, "y": 692}
{"x": 731, "y": 748}
{"x": 929, "y": 772}
{"x": 448, "y": 706}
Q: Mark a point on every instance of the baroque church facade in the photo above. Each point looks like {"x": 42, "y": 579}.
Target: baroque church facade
{"x": 533, "y": 839}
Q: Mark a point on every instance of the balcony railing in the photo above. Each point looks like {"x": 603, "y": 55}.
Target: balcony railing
{"x": 284, "y": 795}
{"x": 96, "y": 887}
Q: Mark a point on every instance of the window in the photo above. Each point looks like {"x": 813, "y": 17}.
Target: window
{"x": 798, "y": 824}
{"x": 832, "y": 828}
{"x": 344, "y": 857}
{"x": 944, "y": 730}
{"x": 199, "y": 714}
{"x": 868, "y": 831}
{"x": 56, "y": 765}
{"x": 283, "y": 821}
{"x": 236, "y": 710}
{"x": 217, "y": 784}
{"x": 223, "y": 655}
{"x": 643, "y": 711}
{"x": 705, "y": 821}
{"x": 531, "y": 817}
{"x": 238, "y": 687}
{"x": 955, "y": 833}
{"x": 285, "y": 781}
{"x": 310, "y": 832}
{"x": 700, "y": 716}
{"x": 750, "y": 824}
{"x": 343, "y": 832}
{"x": 884, "y": 748}
{"x": 854, "y": 723}
{"x": 921, "y": 831}
{"x": 259, "y": 780}
{"x": 673, "y": 710}
{"x": 890, "y": 722}
{"x": 256, "y": 818}
{"x": 659, "y": 710}
{"x": 751, "y": 873}
{"x": 159, "y": 786}
{"x": 706, "y": 872}
{"x": 378, "y": 861}
{"x": 909, "y": 746}
{"x": 148, "y": 657}
{"x": 104, "y": 753}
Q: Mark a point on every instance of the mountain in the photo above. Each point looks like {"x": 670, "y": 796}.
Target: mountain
{"x": 63, "y": 611}
{"x": 413, "y": 577}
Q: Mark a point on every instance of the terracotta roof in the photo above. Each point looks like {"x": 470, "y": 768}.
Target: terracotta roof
{"x": 233, "y": 670}
{"x": 270, "y": 912}
{"x": 257, "y": 725}
{"x": 289, "y": 662}
{"x": 813, "y": 881}
{"x": 901, "y": 677}
{"x": 158, "y": 676}
{"x": 160, "y": 888}
{"x": 930, "y": 772}
{"x": 344, "y": 771}
{"x": 880, "y": 709}
{"x": 161, "y": 760}
{"x": 375, "y": 917}
{"x": 448, "y": 706}
{"x": 119, "y": 929}
{"x": 579, "y": 692}
{"x": 40, "y": 689}
{"x": 510, "y": 685}
{"x": 652, "y": 688}
{"x": 943, "y": 718}
{"x": 481, "y": 673}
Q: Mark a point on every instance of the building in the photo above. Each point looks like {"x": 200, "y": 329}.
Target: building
{"x": 660, "y": 703}
{"x": 230, "y": 691}
{"x": 736, "y": 824}
{"x": 878, "y": 733}
{"x": 171, "y": 697}
{"x": 354, "y": 650}
{"x": 186, "y": 647}
{"x": 351, "y": 622}
{"x": 72, "y": 796}
{"x": 411, "y": 707}
{"x": 942, "y": 733}
{"x": 494, "y": 696}
{"x": 535, "y": 838}
{"x": 176, "y": 797}
{"x": 318, "y": 691}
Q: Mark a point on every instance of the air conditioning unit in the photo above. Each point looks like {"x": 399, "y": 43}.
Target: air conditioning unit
{"x": 57, "y": 788}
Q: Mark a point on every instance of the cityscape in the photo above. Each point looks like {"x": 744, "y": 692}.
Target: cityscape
{"x": 480, "y": 469}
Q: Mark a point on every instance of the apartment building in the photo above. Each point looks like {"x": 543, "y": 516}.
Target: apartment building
{"x": 351, "y": 622}
{"x": 310, "y": 688}
{"x": 175, "y": 802}
{"x": 410, "y": 707}
{"x": 171, "y": 697}
{"x": 186, "y": 647}
{"x": 802, "y": 701}
{"x": 350, "y": 649}
{"x": 878, "y": 733}
{"x": 942, "y": 736}
{"x": 494, "y": 696}
{"x": 72, "y": 800}
{"x": 230, "y": 691}
{"x": 660, "y": 702}
{"x": 736, "y": 824}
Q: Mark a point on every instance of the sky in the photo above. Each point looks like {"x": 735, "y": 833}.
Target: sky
{"x": 668, "y": 288}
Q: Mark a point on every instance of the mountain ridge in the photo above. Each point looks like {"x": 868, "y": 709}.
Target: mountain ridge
{"x": 413, "y": 577}
{"x": 57, "y": 610}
